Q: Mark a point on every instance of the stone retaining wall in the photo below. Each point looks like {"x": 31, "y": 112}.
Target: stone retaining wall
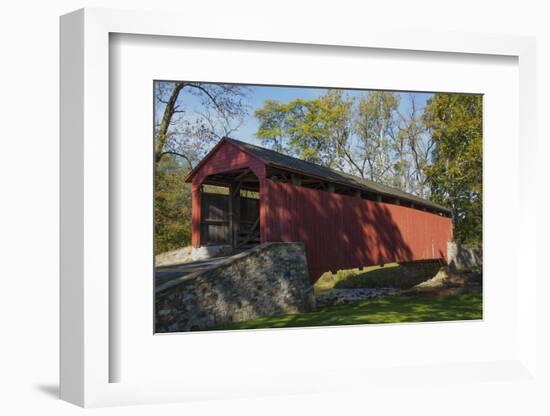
{"x": 271, "y": 279}
{"x": 464, "y": 258}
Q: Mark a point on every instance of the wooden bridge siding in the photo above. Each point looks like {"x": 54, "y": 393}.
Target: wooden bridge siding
{"x": 224, "y": 159}
{"x": 215, "y": 219}
{"x": 343, "y": 232}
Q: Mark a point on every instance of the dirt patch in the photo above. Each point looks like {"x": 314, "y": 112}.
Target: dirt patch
{"x": 180, "y": 255}
{"x": 447, "y": 282}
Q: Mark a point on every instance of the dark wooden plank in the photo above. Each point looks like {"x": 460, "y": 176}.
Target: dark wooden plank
{"x": 234, "y": 212}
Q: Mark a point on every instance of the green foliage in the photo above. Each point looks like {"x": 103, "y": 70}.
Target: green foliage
{"x": 390, "y": 309}
{"x": 455, "y": 174}
{"x": 364, "y": 136}
{"x": 314, "y": 130}
{"x": 172, "y": 206}
{"x": 213, "y": 189}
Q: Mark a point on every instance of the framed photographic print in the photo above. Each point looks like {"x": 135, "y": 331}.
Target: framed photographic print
{"x": 279, "y": 235}
{"x": 236, "y": 207}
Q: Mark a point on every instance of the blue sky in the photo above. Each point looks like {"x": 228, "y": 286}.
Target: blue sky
{"x": 259, "y": 94}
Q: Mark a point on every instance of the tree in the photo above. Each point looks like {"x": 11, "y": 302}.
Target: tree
{"x": 368, "y": 137}
{"x": 316, "y": 130}
{"x": 188, "y": 132}
{"x": 172, "y": 206}
{"x": 183, "y": 134}
{"x": 414, "y": 146}
{"x": 455, "y": 174}
{"x": 376, "y": 130}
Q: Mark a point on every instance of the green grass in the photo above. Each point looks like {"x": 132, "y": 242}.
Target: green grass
{"x": 389, "y": 275}
{"x": 391, "y": 309}
{"x": 329, "y": 280}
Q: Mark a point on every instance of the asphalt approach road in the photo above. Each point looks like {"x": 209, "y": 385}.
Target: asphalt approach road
{"x": 164, "y": 274}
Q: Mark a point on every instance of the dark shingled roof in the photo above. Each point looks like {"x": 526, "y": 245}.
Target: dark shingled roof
{"x": 282, "y": 161}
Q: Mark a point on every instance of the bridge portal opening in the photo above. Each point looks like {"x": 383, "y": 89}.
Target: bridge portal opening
{"x": 230, "y": 209}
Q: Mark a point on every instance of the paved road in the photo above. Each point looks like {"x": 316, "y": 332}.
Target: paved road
{"x": 164, "y": 274}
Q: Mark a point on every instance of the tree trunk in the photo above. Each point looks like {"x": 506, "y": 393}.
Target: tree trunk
{"x": 166, "y": 118}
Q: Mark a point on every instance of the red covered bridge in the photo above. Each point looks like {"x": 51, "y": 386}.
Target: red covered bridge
{"x": 343, "y": 220}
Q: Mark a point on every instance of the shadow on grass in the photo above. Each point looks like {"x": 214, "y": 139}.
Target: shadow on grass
{"x": 390, "y": 275}
{"x": 391, "y": 309}
{"x": 383, "y": 277}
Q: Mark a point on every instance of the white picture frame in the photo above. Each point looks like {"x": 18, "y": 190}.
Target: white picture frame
{"x": 85, "y": 212}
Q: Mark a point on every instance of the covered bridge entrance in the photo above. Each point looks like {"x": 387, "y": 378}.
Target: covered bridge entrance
{"x": 344, "y": 221}
{"x": 230, "y": 210}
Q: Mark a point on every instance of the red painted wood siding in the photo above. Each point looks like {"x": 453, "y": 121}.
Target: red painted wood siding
{"x": 343, "y": 232}
{"x": 196, "y": 215}
{"x": 225, "y": 158}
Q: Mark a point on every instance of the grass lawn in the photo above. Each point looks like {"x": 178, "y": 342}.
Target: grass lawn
{"x": 391, "y": 309}
{"x": 389, "y": 275}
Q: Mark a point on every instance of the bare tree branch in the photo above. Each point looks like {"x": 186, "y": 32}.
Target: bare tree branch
{"x": 189, "y": 163}
{"x": 182, "y": 134}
